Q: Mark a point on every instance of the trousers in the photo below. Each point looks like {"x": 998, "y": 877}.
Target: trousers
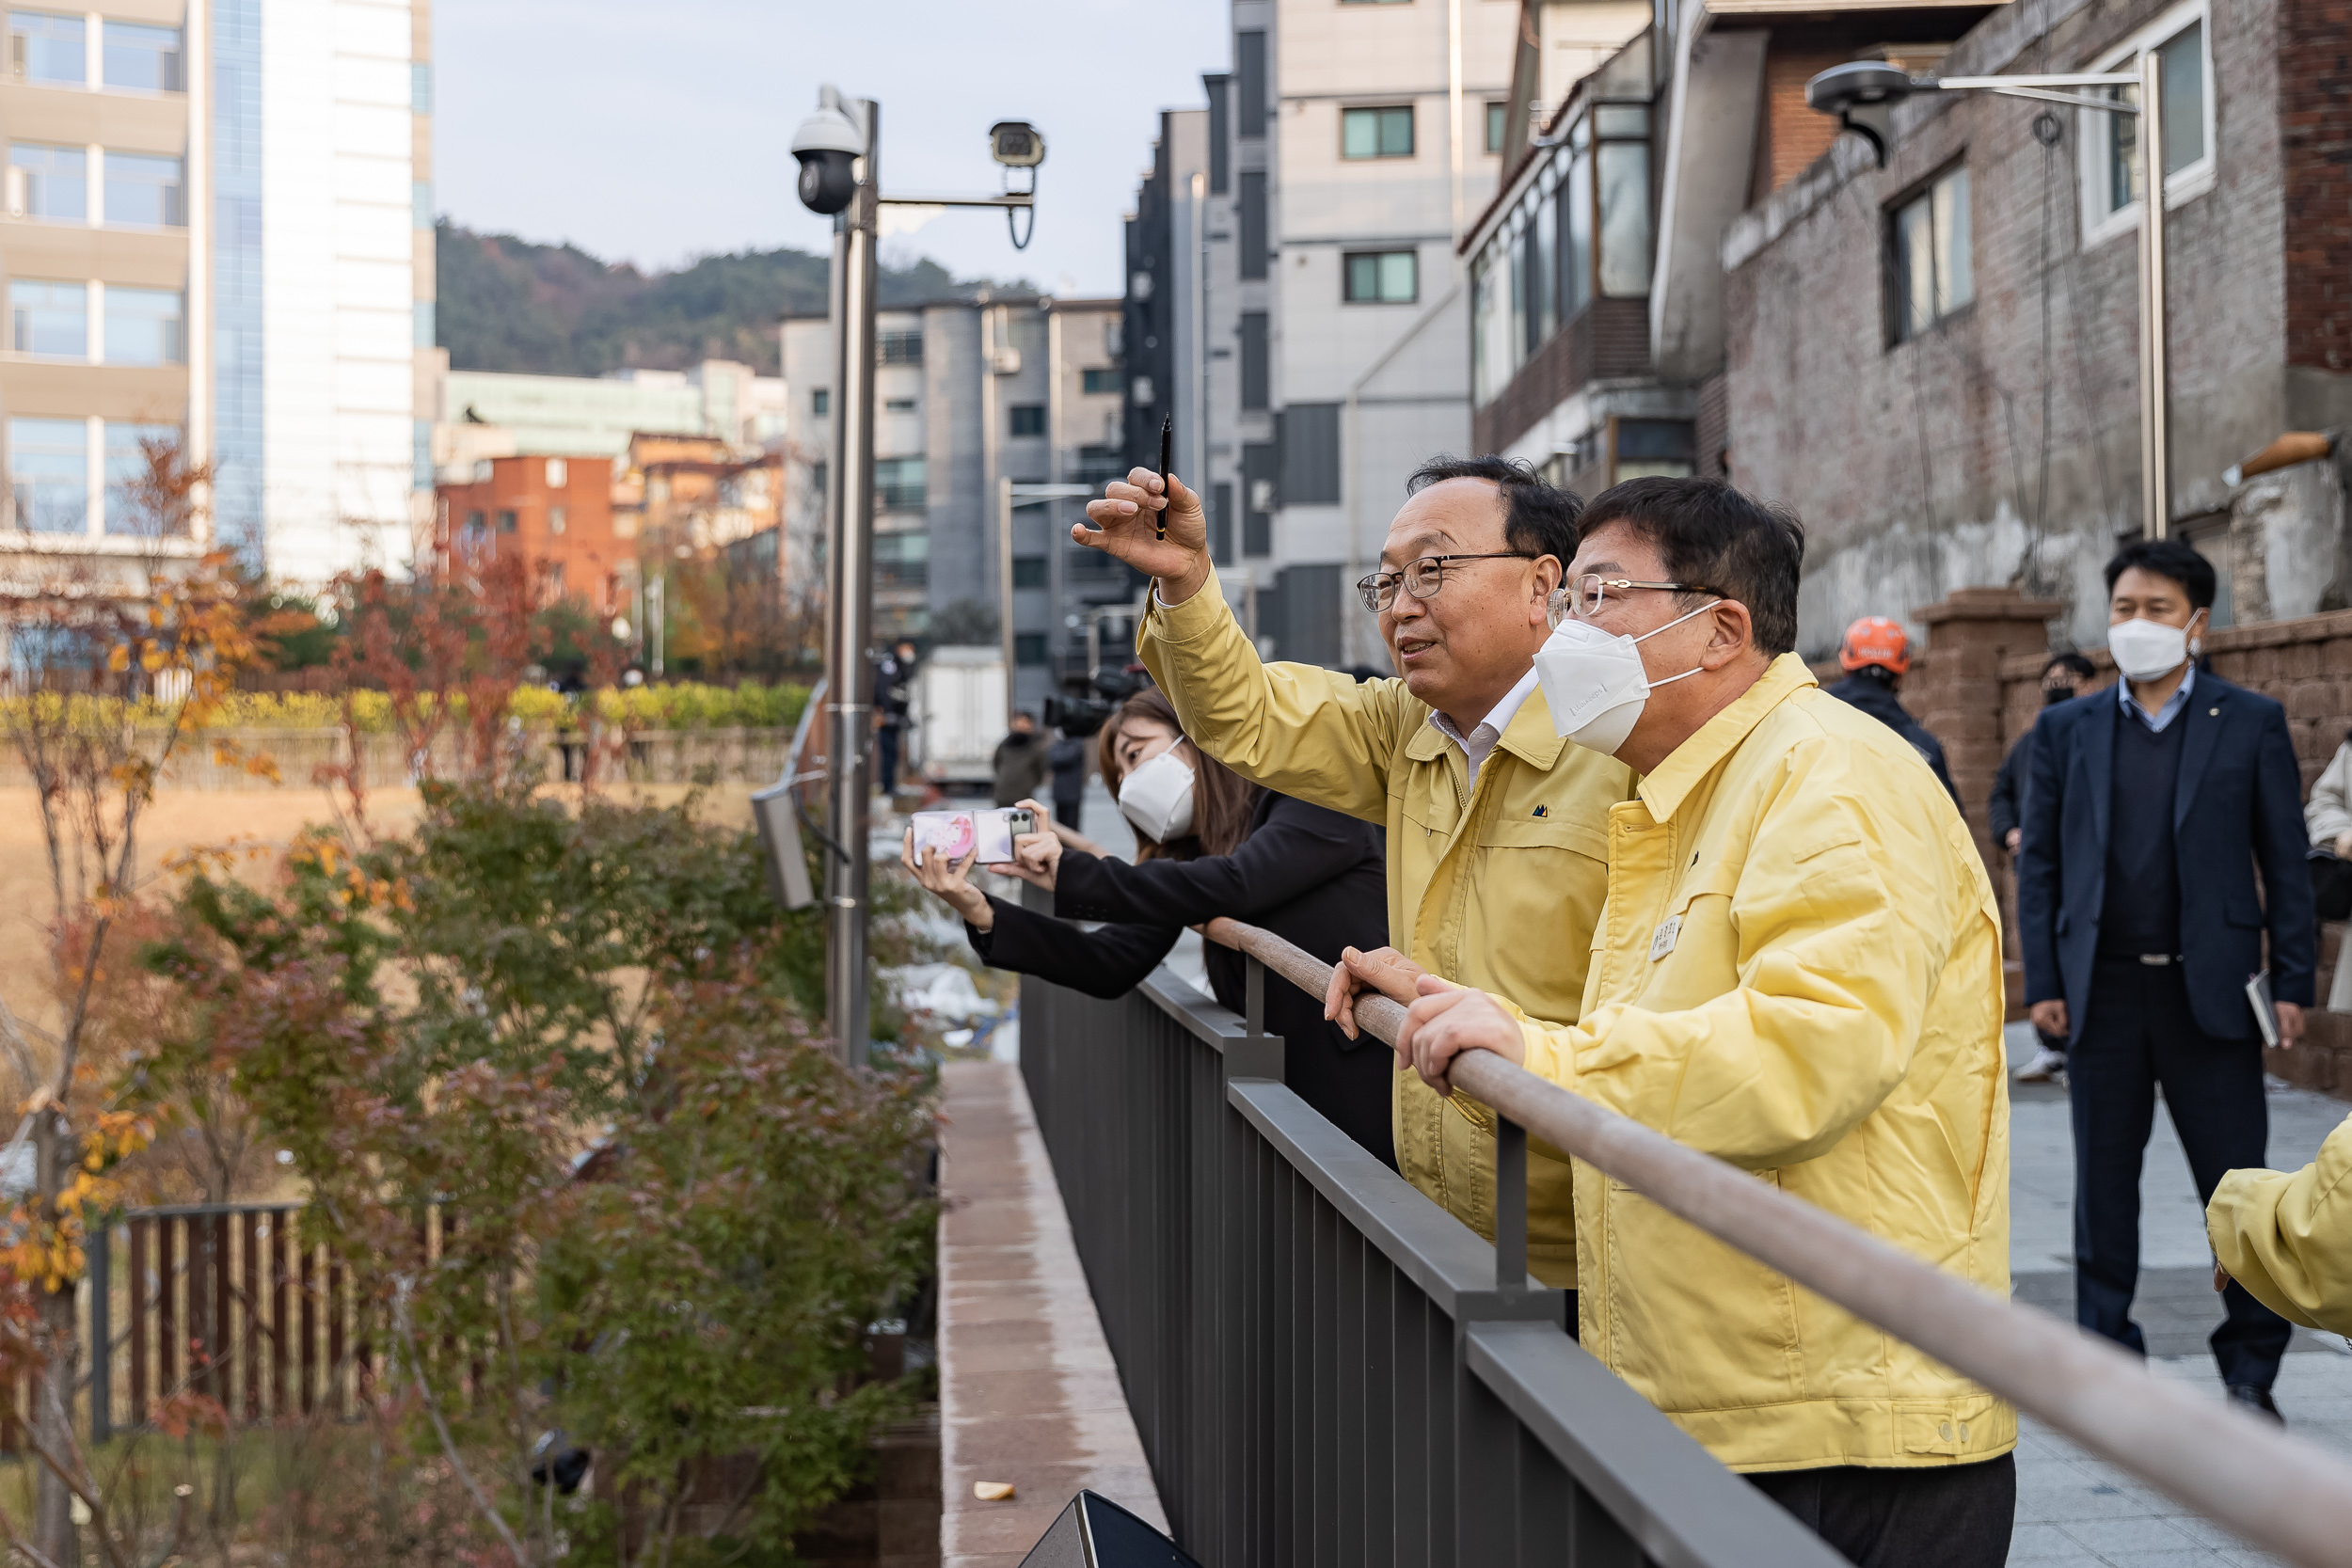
{"x": 2139, "y": 1034}
{"x": 1942, "y": 1516}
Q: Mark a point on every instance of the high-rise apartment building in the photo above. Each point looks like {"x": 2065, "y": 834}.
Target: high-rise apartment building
{"x": 1342, "y": 160}
{"x": 218, "y": 230}
{"x": 966, "y": 392}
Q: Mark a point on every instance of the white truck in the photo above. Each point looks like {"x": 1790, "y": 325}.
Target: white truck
{"x": 960, "y": 714}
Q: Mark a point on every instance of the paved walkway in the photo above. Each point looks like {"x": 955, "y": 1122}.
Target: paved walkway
{"x": 1028, "y": 1393}
{"x": 2074, "y": 1510}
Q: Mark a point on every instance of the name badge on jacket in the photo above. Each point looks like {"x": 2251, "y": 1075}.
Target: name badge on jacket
{"x": 1661, "y": 941}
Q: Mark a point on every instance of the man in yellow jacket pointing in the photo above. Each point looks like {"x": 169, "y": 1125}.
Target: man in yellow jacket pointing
{"x": 1798, "y": 968}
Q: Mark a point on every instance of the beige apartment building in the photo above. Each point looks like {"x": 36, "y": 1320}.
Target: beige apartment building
{"x": 216, "y": 231}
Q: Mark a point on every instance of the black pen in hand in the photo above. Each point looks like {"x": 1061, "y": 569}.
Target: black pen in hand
{"x": 1167, "y": 460}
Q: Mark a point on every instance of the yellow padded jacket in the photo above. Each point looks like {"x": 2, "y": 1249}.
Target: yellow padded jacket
{"x": 2287, "y": 1236}
{"x": 1499, "y": 886}
{"x": 1798, "y": 971}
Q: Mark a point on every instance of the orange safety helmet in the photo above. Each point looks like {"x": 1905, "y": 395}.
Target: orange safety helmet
{"x": 1875, "y": 639}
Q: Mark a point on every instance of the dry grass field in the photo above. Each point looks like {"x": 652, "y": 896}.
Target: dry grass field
{"x": 186, "y": 820}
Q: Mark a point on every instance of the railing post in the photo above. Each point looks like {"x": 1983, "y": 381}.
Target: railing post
{"x": 1510, "y": 1205}
{"x": 102, "y": 1353}
{"x": 1255, "y": 1053}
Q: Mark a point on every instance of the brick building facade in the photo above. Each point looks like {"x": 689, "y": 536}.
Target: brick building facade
{"x": 557, "y": 512}
{"x": 1999, "y": 444}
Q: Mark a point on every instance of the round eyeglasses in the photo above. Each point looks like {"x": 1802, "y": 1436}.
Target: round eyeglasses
{"x": 1421, "y": 578}
{"x": 1583, "y": 596}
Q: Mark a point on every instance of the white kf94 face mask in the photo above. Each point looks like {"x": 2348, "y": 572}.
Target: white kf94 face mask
{"x": 1593, "y": 682}
{"x": 2145, "y": 649}
{"x": 1156, "y": 798}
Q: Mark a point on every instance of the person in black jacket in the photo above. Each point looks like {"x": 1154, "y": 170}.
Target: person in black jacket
{"x": 1875, "y": 654}
{"x": 2061, "y": 679}
{"x": 1211, "y": 845}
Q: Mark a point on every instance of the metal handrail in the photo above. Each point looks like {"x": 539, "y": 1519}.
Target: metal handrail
{"x": 2280, "y": 1493}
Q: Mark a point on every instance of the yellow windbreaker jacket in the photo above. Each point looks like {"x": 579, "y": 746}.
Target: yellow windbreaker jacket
{"x": 1499, "y": 886}
{"x": 1799, "y": 971}
{"x": 2287, "y": 1236}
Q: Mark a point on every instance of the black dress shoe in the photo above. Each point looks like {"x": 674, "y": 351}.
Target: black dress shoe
{"x": 2257, "y": 1400}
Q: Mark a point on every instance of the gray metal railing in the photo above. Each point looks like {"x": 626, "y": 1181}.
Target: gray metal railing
{"x": 1324, "y": 1367}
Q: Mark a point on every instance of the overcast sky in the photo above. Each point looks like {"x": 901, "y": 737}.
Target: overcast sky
{"x": 655, "y": 133}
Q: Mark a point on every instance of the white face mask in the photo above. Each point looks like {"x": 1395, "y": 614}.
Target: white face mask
{"x": 2144, "y": 650}
{"x": 1156, "y": 798}
{"x": 1593, "y": 682}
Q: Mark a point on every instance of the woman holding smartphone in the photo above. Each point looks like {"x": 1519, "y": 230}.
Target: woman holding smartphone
{"x": 1209, "y": 844}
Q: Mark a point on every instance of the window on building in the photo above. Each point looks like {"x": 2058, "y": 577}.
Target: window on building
{"x": 1099, "y": 466}
{"x": 1250, "y": 213}
{"x": 558, "y": 474}
{"x": 46, "y": 47}
{"x": 898, "y": 405}
{"x": 1385, "y": 133}
{"x": 420, "y": 205}
{"x": 1381, "y": 278}
{"x": 1100, "y": 380}
{"x": 556, "y": 520}
{"x": 1256, "y": 382}
{"x": 1250, "y": 94}
{"x": 1929, "y": 272}
{"x": 49, "y": 319}
{"x": 1029, "y": 418}
{"x": 1028, "y": 648}
{"x": 49, "y": 474}
{"x": 145, "y": 327}
{"x": 900, "y": 483}
{"x": 1028, "y": 571}
{"x": 902, "y": 559}
{"x": 142, "y": 58}
{"x": 1495, "y": 121}
{"x": 821, "y": 403}
{"x": 132, "y": 508}
{"x": 47, "y": 182}
{"x": 1655, "y": 448}
{"x": 144, "y": 190}
{"x": 475, "y": 523}
{"x": 901, "y": 348}
{"x": 1623, "y": 171}
{"x": 2182, "y": 55}
{"x": 507, "y": 523}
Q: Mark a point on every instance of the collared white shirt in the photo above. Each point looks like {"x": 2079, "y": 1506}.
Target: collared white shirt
{"x": 1479, "y": 744}
{"x": 2172, "y": 705}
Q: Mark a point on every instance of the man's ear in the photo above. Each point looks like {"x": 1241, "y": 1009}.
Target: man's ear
{"x": 1730, "y": 634}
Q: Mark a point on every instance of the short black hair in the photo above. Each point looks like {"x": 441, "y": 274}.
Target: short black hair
{"x": 1539, "y": 517}
{"x": 1710, "y": 533}
{"x": 2075, "y": 663}
{"x": 2167, "y": 558}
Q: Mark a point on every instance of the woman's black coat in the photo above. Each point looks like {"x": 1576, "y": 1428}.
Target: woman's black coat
{"x": 1311, "y": 875}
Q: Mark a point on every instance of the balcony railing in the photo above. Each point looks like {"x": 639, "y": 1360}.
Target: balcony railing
{"x": 1326, "y": 1368}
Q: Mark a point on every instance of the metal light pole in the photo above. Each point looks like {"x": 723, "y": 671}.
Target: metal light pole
{"x": 839, "y": 149}
{"x": 850, "y": 603}
{"x": 1865, "y": 83}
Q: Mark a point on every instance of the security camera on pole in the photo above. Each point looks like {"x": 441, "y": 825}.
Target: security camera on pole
{"x": 1873, "y": 84}
{"x": 839, "y": 151}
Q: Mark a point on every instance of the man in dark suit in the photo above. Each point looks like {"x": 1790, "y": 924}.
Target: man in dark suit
{"x": 2151, "y": 807}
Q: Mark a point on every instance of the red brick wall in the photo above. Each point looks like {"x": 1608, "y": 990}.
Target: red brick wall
{"x": 1792, "y": 134}
{"x": 2315, "y": 135}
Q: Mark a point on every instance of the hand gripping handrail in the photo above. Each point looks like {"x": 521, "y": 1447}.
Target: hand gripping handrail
{"x": 2280, "y": 1493}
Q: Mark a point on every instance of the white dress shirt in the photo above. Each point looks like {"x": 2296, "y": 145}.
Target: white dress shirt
{"x": 1480, "y": 743}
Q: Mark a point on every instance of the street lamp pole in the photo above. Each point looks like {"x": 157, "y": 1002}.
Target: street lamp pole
{"x": 849, "y": 602}
{"x": 1865, "y": 84}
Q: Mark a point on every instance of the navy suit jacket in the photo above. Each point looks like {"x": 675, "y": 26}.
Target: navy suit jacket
{"x": 2236, "y": 807}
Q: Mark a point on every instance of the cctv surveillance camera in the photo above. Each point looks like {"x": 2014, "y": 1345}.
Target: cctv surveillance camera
{"x": 1016, "y": 144}
{"x": 1859, "y": 84}
{"x": 828, "y": 143}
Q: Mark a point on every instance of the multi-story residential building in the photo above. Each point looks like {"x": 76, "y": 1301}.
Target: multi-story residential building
{"x": 557, "y": 514}
{"x": 966, "y": 392}
{"x": 497, "y": 413}
{"x": 1936, "y": 361}
{"x": 1343, "y": 157}
{"x": 217, "y": 231}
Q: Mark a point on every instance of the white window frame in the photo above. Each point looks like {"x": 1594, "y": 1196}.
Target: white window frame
{"x": 2094, "y": 132}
